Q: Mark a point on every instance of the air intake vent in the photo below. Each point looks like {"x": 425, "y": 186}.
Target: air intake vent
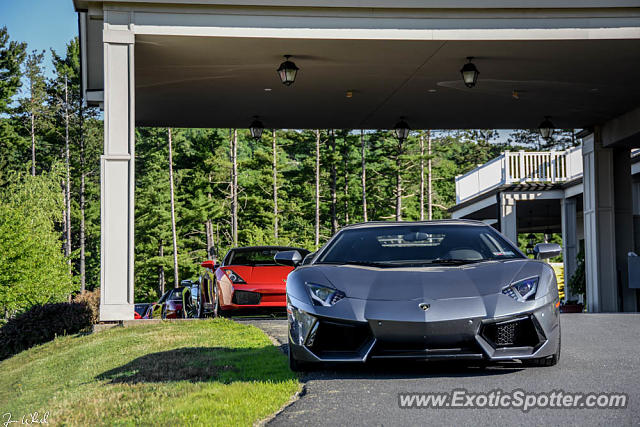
{"x": 246, "y": 298}
{"x": 519, "y": 332}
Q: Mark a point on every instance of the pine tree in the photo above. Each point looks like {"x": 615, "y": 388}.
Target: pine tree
{"x": 12, "y": 155}
{"x": 32, "y": 105}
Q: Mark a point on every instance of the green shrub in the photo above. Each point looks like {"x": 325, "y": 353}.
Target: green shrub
{"x": 42, "y": 323}
{"x": 578, "y": 282}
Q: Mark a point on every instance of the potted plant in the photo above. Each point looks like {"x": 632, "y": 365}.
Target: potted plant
{"x": 577, "y": 287}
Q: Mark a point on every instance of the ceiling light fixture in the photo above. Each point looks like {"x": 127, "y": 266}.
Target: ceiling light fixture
{"x": 256, "y": 128}
{"x": 287, "y": 71}
{"x": 546, "y": 128}
{"x": 401, "y": 129}
{"x": 469, "y": 73}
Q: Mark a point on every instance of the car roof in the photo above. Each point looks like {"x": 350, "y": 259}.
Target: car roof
{"x": 257, "y": 248}
{"x": 374, "y": 224}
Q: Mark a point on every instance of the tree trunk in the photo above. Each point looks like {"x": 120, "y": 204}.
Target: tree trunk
{"x": 429, "y": 187}
{"x": 83, "y": 268}
{"x": 161, "y": 281}
{"x": 421, "y": 176}
{"x": 83, "y": 263}
{"x": 317, "y": 229}
{"x": 275, "y": 189}
{"x": 364, "y": 176}
{"x": 399, "y": 183}
{"x": 176, "y": 278}
{"x": 33, "y": 135}
{"x": 345, "y": 158}
{"x": 68, "y": 167}
{"x": 234, "y": 187}
{"x": 334, "y": 198}
{"x": 209, "y": 228}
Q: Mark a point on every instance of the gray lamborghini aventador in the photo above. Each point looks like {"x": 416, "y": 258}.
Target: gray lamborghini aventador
{"x": 422, "y": 290}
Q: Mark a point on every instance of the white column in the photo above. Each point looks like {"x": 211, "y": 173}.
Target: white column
{"x": 635, "y": 186}
{"x": 569, "y": 241}
{"x": 623, "y": 211}
{"x": 599, "y": 225}
{"x": 508, "y": 220}
{"x": 117, "y": 177}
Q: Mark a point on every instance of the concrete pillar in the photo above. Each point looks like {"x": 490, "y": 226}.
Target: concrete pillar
{"x": 623, "y": 210}
{"x": 117, "y": 177}
{"x": 508, "y": 220}
{"x": 635, "y": 186}
{"x": 608, "y": 225}
{"x": 569, "y": 241}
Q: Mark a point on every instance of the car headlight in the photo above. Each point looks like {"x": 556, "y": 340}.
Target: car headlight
{"x": 234, "y": 277}
{"x": 324, "y": 295}
{"x": 300, "y": 323}
{"x": 522, "y": 290}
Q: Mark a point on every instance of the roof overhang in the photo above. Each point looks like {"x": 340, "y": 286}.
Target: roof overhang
{"x": 212, "y": 63}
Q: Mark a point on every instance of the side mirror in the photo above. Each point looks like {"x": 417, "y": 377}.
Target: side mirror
{"x": 547, "y": 250}
{"x": 210, "y": 264}
{"x": 290, "y": 258}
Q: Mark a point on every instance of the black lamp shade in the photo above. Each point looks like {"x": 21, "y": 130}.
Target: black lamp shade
{"x": 287, "y": 72}
{"x": 401, "y": 129}
{"x": 546, "y": 128}
{"x": 256, "y": 129}
{"x": 469, "y": 74}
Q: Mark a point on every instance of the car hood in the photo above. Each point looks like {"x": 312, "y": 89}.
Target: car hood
{"x": 434, "y": 282}
{"x": 262, "y": 274}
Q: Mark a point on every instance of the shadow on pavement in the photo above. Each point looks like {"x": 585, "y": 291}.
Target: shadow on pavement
{"x": 406, "y": 369}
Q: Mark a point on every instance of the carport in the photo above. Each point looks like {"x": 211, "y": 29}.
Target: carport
{"x": 164, "y": 62}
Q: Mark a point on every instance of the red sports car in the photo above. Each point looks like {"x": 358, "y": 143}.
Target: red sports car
{"x": 248, "y": 278}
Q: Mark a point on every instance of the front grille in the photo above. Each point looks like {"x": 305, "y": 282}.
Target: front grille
{"x": 519, "y": 332}
{"x": 246, "y": 298}
{"x": 330, "y": 336}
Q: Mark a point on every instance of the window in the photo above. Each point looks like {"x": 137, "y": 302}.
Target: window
{"x": 418, "y": 245}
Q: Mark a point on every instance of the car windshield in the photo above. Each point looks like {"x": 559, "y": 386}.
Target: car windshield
{"x": 140, "y": 308}
{"x": 254, "y": 256}
{"x": 418, "y": 244}
{"x": 176, "y": 295}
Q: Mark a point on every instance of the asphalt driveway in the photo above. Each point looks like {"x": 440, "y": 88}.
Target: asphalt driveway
{"x": 600, "y": 353}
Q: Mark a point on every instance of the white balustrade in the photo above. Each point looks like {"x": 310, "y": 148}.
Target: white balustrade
{"x": 520, "y": 167}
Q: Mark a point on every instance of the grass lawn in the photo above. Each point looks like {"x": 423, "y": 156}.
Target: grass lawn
{"x": 213, "y": 372}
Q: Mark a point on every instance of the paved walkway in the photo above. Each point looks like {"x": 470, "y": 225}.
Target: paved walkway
{"x": 600, "y": 353}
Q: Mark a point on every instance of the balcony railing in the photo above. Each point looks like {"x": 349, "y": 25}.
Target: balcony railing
{"x": 520, "y": 167}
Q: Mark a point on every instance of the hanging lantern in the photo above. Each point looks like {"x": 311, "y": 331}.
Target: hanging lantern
{"x": 546, "y": 128}
{"x": 401, "y": 129}
{"x": 532, "y": 243}
{"x": 287, "y": 71}
{"x": 469, "y": 73}
{"x": 256, "y": 128}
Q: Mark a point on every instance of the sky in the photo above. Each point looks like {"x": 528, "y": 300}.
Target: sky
{"x": 43, "y": 24}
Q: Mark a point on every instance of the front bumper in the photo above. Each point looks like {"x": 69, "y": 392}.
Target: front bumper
{"x": 254, "y": 296}
{"x": 316, "y": 336}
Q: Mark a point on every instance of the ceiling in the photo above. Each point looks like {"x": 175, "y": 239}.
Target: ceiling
{"x": 221, "y": 82}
